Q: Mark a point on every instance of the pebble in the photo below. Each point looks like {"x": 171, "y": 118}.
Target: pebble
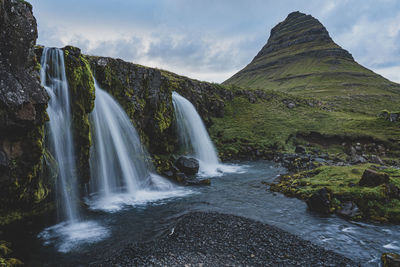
{"x": 214, "y": 239}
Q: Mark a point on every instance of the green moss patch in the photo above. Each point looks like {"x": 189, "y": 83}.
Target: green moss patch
{"x": 374, "y": 202}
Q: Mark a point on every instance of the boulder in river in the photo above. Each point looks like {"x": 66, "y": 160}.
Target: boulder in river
{"x": 320, "y": 201}
{"x": 348, "y": 210}
{"x": 373, "y": 178}
{"x": 187, "y": 165}
{"x": 390, "y": 260}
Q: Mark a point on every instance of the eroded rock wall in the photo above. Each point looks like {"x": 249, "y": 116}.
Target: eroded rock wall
{"x": 23, "y": 104}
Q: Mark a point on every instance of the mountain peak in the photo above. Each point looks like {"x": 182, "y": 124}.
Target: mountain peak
{"x": 301, "y": 57}
{"x": 297, "y": 28}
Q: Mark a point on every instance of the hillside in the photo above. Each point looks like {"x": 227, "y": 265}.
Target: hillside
{"x": 301, "y": 58}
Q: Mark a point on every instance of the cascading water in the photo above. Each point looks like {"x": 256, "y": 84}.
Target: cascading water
{"x": 72, "y": 230}
{"x": 54, "y": 80}
{"x": 120, "y": 166}
{"x": 194, "y": 138}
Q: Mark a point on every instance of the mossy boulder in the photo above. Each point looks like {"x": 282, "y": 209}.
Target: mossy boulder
{"x": 373, "y": 178}
{"x": 390, "y": 260}
{"x": 320, "y": 201}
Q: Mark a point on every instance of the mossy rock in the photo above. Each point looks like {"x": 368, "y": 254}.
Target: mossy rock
{"x": 82, "y": 93}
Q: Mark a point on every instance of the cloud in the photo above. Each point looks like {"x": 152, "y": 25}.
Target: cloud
{"x": 392, "y": 73}
{"x": 210, "y": 40}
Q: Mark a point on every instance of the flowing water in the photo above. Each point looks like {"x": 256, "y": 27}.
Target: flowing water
{"x": 194, "y": 138}
{"x": 61, "y": 143}
{"x": 121, "y": 169}
{"x": 240, "y": 193}
{"x": 70, "y": 229}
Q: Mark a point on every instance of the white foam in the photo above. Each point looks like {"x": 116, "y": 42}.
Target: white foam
{"x": 393, "y": 245}
{"x": 118, "y": 201}
{"x": 67, "y": 236}
{"x": 215, "y": 170}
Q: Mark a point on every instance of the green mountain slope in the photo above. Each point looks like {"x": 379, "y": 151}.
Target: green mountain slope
{"x": 301, "y": 58}
{"x": 315, "y": 92}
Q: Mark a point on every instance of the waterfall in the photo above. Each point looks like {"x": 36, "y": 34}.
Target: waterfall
{"x": 71, "y": 231}
{"x": 121, "y": 169}
{"x": 193, "y": 135}
{"x": 53, "y": 79}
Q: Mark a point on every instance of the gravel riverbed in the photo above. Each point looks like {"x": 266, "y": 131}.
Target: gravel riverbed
{"x": 214, "y": 239}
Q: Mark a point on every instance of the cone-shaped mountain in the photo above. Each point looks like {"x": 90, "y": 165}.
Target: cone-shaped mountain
{"x": 301, "y": 58}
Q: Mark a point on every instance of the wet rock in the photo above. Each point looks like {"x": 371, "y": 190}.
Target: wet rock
{"x": 197, "y": 182}
{"x": 390, "y": 260}
{"x": 320, "y": 201}
{"x": 180, "y": 177}
{"x": 3, "y": 159}
{"x": 377, "y": 160}
{"x": 300, "y": 149}
{"x": 348, "y": 210}
{"x": 372, "y": 178}
{"x": 189, "y": 166}
{"x": 168, "y": 174}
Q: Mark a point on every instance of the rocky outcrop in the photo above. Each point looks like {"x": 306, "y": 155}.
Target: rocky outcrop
{"x": 390, "y": 260}
{"x": 23, "y": 105}
{"x": 189, "y": 166}
{"x": 320, "y": 201}
{"x": 82, "y": 92}
{"x": 146, "y": 95}
{"x": 373, "y": 178}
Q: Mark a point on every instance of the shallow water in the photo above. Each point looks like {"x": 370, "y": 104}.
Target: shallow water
{"x": 239, "y": 193}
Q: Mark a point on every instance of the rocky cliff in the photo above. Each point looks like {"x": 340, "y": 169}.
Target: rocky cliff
{"x": 301, "y": 58}
{"x": 23, "y": 105}
{"x": 146, "y": 95}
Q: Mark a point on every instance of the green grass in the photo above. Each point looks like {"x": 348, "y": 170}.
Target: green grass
{"x": 343, "y": 182}
{"x": 270, "y": 125}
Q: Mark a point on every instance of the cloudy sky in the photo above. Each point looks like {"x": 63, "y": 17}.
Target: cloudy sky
{"x": 212, "y": 39}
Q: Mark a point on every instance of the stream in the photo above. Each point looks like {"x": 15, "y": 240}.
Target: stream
{"x": 241, "y": 193}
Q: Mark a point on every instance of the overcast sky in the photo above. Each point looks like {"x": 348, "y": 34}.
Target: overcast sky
{"x": 211, "y": 40}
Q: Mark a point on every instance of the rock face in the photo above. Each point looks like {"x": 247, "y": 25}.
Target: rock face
{"x": 372, "y": 178}
{"x": 300, "y": 57}
{"x": 320, "y": 201}
{"x": 189, "y": 166}
{"x": 23, "y": 104}
{"x": 82, "y": 92}
{"x": 146, "y": 96}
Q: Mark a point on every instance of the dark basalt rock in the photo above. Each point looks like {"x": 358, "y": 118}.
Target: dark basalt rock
{"x": 189, "y": 166}
{"x": 348, "y": 210}
{"x": 197, "y": 182}
{"x": 372, "y": 178}
{"x": 300, "y": 149}
{"x": 320, "y": 201}
{"x": 390, "y": 260}
{"x": 23, "y": 103}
